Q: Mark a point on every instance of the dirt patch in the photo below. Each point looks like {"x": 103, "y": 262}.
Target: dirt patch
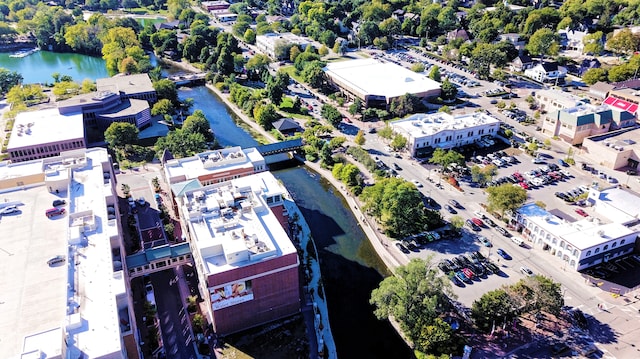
{"x": 286, "y": 339}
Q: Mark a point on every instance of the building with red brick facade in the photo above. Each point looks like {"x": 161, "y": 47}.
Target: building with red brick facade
{"x": 247, "y": 264}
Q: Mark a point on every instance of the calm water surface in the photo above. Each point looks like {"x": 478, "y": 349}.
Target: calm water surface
{"x": 38, "y": 67}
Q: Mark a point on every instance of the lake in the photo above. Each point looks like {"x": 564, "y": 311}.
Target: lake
{"x": 38, "y": 67}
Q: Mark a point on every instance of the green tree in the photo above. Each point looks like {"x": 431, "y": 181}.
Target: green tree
{"x": 166, "y": 89}
{"x": 506, "y": 197}
{"x": 493, "y": 308}
{"x": 198, "y": 123}
{"x": 181, "y": 144}
{"x": 417, "y": 67}
{"x": 118, "y": 43}
{"x": 355, "y": 107}
{"x": 405, "y": 104}
{"x": 266, "y": 115}
{"x": 592, "y": 76}
{"x": 399, "y": 142}
{"x": 162, "y": 107}
{"x": 398, "y": 206}
{"x": 250, "y": 36}
{"x": 456, "y": 222}
{"x": 483, "y": 175}
{"x": 119, "y": 134}
{"x": 623, "y": 42}
{"x": 449, "y": 91}
{"x": 446, "y": 157}
{"x": 276, "y": 86}
{"x": 360, "y": 139}
{"x": 8, "y": 79}
{"x": 415, "y": 297}
{"x": 386, "y": 132}
{"x": 593, "y": 43}
{"x": 331, "y": 114}
{"x": 434, "y": 74}
{"x": 544, "y": 42}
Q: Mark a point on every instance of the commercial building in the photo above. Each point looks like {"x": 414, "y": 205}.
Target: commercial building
{"x": 378, "y": 83}
{"x": 247, "y": 264}
{"x": 574, "y": 124}
{"x": 580, "y": 244}
{"x": 117, "y": 99}
{"x": 625, "y": 99}
{"x": 614, "y": 150}
{"x": 425, "y": 132}
{"x": 64, "y": 294}
{"x": 270, "y": 42}
{"x": 552, "y": 100}
{"x": 215, "y": 5}
{"x": 44, "y": 133}
{"x": 215, "y": 166}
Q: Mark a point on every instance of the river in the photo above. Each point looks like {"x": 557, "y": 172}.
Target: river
{"x": 350, "y": 267}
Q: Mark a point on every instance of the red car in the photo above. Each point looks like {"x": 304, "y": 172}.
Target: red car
{"x": 581, "y": 212}
{"x": 523, "y": 185}
{"x": 468, "y": 273}
{"x": 477, "y": 221}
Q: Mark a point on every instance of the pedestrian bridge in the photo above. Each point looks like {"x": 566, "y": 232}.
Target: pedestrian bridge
{"x": 279, "y": 151}
{"x": 158, "y": 259}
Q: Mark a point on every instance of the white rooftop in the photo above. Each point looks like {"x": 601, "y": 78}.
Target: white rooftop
{"x": 421, "y": 124}
{"x": 616, "y": 204}
{"x": 41, "y": 303}
{"x": 374, "y": 77}
{"x": 565, "y": 99}
{"x": 226, "y": 159}
{"x": 45, "y": 126}
{"x": 232, "y": 224}
{"x": 582, "y": 234}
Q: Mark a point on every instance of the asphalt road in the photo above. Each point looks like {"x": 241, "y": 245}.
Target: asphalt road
{"x": 174, "y": 324}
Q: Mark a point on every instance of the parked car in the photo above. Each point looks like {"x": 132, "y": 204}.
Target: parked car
{"x": 581, "y": 212}
{"x": 455, "y": 203}
{"x": 478, "y": 222}
{"x": 472, "y": 225}
{"x": 503, "y": 231}
{"x": 402, "y": 248}
{"x": 562, "y": 163}
{"x": 501, "y": 252}
{"x": 58, "y": 202}
{"x": 526, "y": 271}
{"x": 450, "y": 209}
{"x": 56, "y": 260}
{"x": 485, "y": 242}
{"x": 56, "y": 211}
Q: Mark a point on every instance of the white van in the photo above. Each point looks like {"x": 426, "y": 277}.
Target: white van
{"x": 517, "y": 240}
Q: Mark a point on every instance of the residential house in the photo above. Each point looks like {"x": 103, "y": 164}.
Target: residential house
{"x": 521, "y": 63}
{"x": 547, "y": 72}
{"x": 458, "y": 34}
{"x": 514, "y": 39}
{"x": 572, "y": 39}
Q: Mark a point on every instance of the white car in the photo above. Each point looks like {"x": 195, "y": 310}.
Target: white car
{"x": 417, "y": 183}
{"x": 537, "y": 181}
{"x": 526, "y": 271}
{"x": 497, "y": 162}
{"x": 507, "y": 159}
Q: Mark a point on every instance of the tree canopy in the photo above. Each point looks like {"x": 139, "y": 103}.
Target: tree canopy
{"x": 446, "y": 157}
{"x": 198, "y": 123}
{"x": 119, "y": 134}
{"x": 398, "y": 206}
{"x": 506, "y": 197}
{"x": 415, "y": 297}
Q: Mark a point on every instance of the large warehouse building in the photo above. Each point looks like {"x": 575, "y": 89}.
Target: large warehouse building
{"x": 377, "y": 83}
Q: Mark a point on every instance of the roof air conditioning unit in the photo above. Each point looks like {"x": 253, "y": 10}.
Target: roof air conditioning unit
{"x": 601, "y": 233}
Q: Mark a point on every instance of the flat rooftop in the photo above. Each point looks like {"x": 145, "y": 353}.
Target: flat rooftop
{"x": 373, "y": 77}
{"x": 41, "y": 302}
{"x": 616, "y": 204}
{"x": 233, "y": 226}
{"x": 581, "y": 234}
{"x": 45, "y": 126}
{"x": 128, "y": 84}
{"x": 421, "y": 124}
{"x": 226, "y": 159}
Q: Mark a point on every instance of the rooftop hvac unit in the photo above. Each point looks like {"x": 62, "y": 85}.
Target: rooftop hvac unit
{"x": 601, "y": 233}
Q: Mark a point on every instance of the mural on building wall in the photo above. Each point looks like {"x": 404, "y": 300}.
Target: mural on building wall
{"x": 231, "y": 294}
